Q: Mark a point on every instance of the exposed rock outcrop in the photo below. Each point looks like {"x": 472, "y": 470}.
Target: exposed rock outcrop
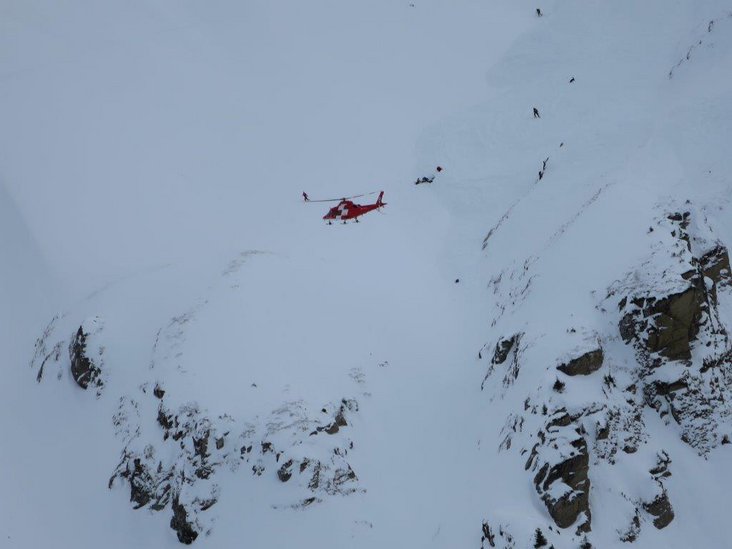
{"x": 85, "y": 368}
{"x": 175, "y": 472}
{"x": 503, "y": 347}
{"x": 340, "y": 418}
{"x": 85, "y": 354}
{"x": 665, "y": 325}
{"x": 179, "y": 522}
{"x": 664, "y": 316}
{"x": 673, "y": 319}
{"x": 715, "y": 265}
{"x": 583, "y": 365}
{"x": 506, "y": 355}
{"x": 561, "y": 460}
{"x": 661, "y": 510}
{"x": 174, "y": 466}
{"x": 173, "y": 452}
{"x": 500, "y": 539}
{"x": 660, "y": 507}
{"x": 667, "y": 311}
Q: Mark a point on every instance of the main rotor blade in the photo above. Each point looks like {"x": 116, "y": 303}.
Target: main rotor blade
{"x": 343, "y": 198}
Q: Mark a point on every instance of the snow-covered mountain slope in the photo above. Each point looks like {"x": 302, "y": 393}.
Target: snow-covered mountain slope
{"x": 534, "y": 346}
{"x": 607, "y": 354}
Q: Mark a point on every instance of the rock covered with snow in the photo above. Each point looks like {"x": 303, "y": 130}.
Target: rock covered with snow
{"x": 174, "y": 451}
{"x": 85, "y": 354}
{"x": 667, "y": 312}
{"x": 173, "y": 461}
{"x": 85, "y": 369}
{"x": 674, "y": 324}
{"x": 561, "y": 462}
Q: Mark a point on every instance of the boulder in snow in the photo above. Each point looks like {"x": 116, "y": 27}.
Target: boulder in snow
{"x": 583, "y": 365}
{"x": 661, "y": 510}
{"x": 85, "y": 368}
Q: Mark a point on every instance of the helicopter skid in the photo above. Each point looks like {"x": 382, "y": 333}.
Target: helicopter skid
{"x": 344, "y": 222}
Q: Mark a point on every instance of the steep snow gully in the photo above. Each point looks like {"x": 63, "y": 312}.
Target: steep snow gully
{"x": 532, "y": 349}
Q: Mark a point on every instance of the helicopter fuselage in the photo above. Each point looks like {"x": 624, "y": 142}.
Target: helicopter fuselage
{"x": 347, "y": 210}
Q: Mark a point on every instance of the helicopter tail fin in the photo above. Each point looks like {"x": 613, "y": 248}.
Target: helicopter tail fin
{"x": 379, "y": 201}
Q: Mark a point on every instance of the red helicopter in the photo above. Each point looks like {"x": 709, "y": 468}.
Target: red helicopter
{"x": 346, "y": 209}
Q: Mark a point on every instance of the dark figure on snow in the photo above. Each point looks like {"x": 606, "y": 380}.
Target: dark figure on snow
{"x": 538, "y": 12}
{"x": 543, "y": 164}
{"x": 571, "y": 80}
{"x": 305, "y": 197}
{"x": 541, "y": 174}
{"x": 536, "y": 113}
{"x": 438, "y": 169}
